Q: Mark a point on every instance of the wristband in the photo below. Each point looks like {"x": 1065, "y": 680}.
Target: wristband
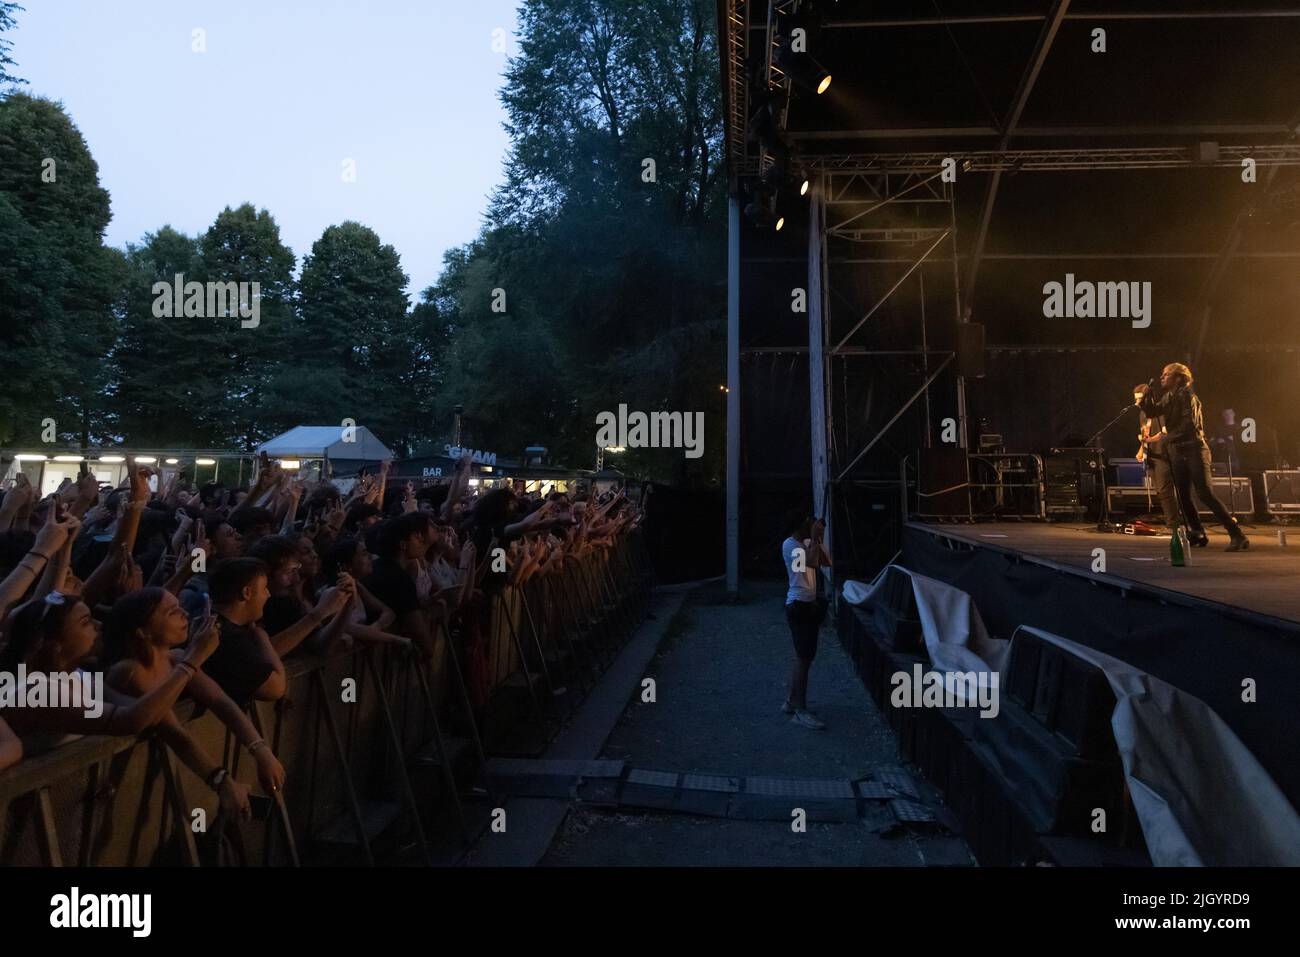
{"x": 256, "y": 746}
{"x": 189, "y": 668}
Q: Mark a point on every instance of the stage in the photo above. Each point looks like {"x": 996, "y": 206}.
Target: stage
{"x": 1263, "y": 581}
{"x": 1225, "y": 629}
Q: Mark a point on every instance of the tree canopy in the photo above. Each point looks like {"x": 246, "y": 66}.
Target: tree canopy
{"x": 597, "y": 278}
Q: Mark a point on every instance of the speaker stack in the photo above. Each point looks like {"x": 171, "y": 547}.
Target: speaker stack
{"x": 1073, "y": 485}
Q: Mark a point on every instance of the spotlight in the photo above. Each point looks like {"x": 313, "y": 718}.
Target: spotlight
{"x": 780, "y": 221}
{"x": 803, "y": 187}
{"x": 800, "y": 65}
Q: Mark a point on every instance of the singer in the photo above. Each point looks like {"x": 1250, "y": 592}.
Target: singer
{"x": 1189, "y": 455}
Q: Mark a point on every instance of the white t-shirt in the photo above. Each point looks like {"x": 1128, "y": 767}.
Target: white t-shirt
{"x": 803, "y": 584}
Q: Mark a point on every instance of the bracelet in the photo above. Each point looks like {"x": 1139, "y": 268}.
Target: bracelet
{"x": 44, "y": 558}
{"x": 188, "y": 667}
{"x": 256, "y": 746}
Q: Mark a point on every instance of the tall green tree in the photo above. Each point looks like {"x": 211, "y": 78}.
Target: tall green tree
{"x": 243, "y": 246}
{"x": 165, "y": 392}
{"x": 353, "y": 329}
{"x": 7, "y": 22}
{"x": 606, "y": 237}
{"x": 58, "y": 282}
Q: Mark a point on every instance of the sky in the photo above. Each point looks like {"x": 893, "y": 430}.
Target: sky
{"x": 286, "y": 92}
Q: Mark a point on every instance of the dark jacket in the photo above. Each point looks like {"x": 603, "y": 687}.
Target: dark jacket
{"x": 1181, "y": 410}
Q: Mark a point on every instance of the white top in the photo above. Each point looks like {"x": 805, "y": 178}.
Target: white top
{"x": 803, "y": 584}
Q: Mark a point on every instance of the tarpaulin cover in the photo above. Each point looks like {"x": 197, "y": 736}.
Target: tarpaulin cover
{"x": 1200, "y": 795}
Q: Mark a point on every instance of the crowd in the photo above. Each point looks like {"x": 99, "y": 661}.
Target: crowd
{"x": 158, "y": 591}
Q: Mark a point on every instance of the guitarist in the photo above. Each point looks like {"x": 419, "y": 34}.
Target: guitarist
{"x": 1152, "y": 453}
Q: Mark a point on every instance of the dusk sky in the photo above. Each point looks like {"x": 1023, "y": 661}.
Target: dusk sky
{"x": 285, "y": 93}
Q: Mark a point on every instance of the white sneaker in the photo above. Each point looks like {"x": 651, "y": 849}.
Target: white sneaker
{"x": 808, "y": 720}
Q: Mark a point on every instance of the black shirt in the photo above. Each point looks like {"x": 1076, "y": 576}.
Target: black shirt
{"x": 281, "y": 612}
{"x": 392, "y": 585}
{"x": 1182, "y": 414}
{"x": 239, "y": 664}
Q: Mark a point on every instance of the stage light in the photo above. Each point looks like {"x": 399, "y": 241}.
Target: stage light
{"x": 112, "y": 459}
{"x": 290, "y": 464}
{"x": 803, "y": 187}
{"x": 145, "y": 459}
{"x": 69, "y": 458}
{"x": 173, "y": 461}
{"x": 205, "y": 461}
{"x": 780, "y": 222}
{"x": 824, "y": 83}
{"x": 29, "y": 458}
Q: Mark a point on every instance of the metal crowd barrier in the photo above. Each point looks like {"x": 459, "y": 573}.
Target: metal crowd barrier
{"x": 392, "y": 767}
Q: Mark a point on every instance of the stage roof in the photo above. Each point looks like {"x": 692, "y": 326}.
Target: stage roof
{"x": 1122, "y": 165}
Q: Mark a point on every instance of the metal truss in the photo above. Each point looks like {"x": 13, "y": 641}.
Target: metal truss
{"x": 1081, "y": 158}
{"x": 736, "y": 23}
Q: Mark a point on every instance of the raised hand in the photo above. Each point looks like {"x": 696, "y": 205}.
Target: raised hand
{"x": 139, "y": 478}
{"x": 204, "y": 639}
{"x": 55, "y": 531}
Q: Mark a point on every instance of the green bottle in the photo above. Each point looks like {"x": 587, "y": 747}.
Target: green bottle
{"x": 1177, "y": 557}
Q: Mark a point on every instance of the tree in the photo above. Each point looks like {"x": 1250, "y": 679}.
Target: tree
{"x": 166, "y": 388}
{"x": 8, "y": 22}
{"x": 58, "y": 282}
{"x": 353, "y": 327}
{"x": 243, "y": 246}
{"x": 612, "y": 275}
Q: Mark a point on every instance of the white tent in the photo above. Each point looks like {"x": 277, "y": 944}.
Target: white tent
{"x": 335, "y": 442}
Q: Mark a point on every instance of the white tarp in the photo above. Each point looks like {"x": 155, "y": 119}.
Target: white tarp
{"x": 955, "y": 636}
{"x": 1201, "y": 797}
{"x": 341, "y": 443}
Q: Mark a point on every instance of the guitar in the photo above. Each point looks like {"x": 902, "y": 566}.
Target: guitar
{"x": 1146, "y": 438}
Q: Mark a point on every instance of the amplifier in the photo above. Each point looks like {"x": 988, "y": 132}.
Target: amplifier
{"x": 1072, "y": 482}
{"x": 1241, "y": 500}
{"x": 1282, "y": 491}
{"x": 1129, "y": 472}
{"x": 1136, "y": 499}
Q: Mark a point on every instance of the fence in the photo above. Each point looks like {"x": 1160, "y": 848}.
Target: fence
{"x": 384, "y": 775}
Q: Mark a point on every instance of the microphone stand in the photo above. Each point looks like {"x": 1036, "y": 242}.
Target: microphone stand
{"x": 1103, "y": 507}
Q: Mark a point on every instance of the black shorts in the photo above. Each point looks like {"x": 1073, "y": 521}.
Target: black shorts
{"x": 805, "y": 618}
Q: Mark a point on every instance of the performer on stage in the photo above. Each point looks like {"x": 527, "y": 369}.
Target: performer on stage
{"x": 1152, "y": 454}
{"x": 1189, "y": 455}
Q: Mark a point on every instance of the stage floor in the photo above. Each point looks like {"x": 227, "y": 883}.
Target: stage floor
{"x": 1264, "y": 580}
